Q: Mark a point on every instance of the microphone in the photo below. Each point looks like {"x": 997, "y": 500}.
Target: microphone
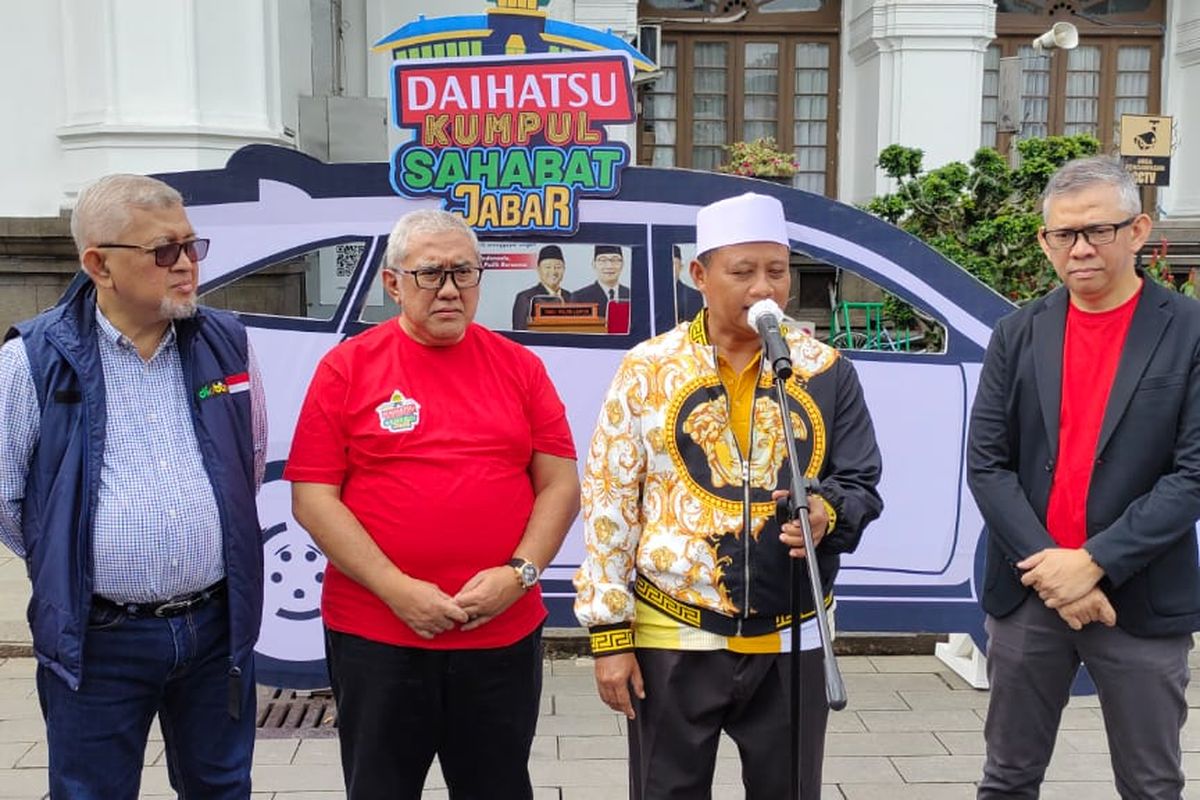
{"x": 765, "y": 316}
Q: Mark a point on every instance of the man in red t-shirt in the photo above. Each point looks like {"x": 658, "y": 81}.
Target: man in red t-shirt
{"x": 1084, "y": 458}
{"x": 433, "y": 464}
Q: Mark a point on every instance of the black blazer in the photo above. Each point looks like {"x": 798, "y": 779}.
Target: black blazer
{"x": 595, "y": 293}
{"x": 1144, "y": 496}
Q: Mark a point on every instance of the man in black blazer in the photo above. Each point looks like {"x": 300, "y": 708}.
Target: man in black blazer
{"x": 609, "y": 263}
{"x": 550, "y": 267}
{"x": 1084, "y": 458}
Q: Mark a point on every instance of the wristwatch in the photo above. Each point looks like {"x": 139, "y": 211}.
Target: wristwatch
{"x": 527, "y": 572}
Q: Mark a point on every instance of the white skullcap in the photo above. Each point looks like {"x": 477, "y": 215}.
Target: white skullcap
{"x": 738, "y": 220}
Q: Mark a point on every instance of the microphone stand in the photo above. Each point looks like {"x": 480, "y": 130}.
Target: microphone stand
{"x": 796, "y": 508}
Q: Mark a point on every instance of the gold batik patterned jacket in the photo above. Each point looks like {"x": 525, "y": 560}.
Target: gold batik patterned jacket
{"x": 676, "y": 516}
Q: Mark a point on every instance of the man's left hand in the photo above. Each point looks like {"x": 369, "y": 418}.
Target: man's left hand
{"x": 1061, "y": 575}
{"x": 792, "y": 535}
{"x": 488, "y": 594}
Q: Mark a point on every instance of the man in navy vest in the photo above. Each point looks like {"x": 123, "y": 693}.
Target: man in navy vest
{"x": 132, "y": 444}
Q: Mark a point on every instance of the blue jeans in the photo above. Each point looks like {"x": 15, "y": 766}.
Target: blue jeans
{"x": 134, "y": 668}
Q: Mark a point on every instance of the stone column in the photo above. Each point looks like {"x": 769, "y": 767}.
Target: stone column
{"x": 151, "y": 86}
{"x": 1181, "y": 87}
{"x": 913, "y": 75}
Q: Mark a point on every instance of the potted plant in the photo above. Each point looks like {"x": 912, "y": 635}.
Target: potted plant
{"x": 760, "y": 158}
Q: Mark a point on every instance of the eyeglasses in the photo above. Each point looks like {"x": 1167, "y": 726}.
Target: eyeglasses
{"x": 609, "y": 259}
{"x": 1063, "y": 238}
{"x": 167, "y": 255}
{"x": 434, "y": 278}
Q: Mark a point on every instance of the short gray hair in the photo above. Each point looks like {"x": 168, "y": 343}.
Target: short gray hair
{"x": 426, "y": 220}
{"x": 102, "y": 209}
{"x": 1083, "y": 173}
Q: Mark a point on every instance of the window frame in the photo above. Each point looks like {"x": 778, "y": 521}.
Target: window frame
{"x": 685, "y": 40}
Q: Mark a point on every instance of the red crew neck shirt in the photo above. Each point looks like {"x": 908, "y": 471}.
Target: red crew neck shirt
{"x": 1091, "y": 349}
{"x": 431, "y": 449}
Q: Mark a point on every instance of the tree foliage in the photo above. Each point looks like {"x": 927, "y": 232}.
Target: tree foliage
{"x": 983, "y": 215}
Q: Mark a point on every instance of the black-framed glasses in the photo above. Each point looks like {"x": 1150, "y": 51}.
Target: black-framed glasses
{"x": 1106, "y": 233}
{"x": 167, "y": 255}
{"x": 434, "y": 278}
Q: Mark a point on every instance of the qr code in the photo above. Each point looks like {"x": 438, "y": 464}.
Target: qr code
{"x": 348, "y": 256}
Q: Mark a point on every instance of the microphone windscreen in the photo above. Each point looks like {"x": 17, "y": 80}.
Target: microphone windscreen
{"x": 763, "y": 308}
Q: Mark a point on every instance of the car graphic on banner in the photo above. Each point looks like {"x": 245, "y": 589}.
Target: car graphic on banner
{"x": 302, "y": 242}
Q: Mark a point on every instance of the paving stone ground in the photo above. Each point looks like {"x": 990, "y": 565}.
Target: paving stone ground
{"x": 913, "y": 730}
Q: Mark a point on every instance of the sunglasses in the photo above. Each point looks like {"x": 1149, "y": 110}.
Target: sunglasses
{"x": 167, "y": 255}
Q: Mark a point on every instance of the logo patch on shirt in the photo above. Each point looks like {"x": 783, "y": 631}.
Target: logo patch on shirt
{"x": 400, "y": 414}
{"x": 231, "y": 384}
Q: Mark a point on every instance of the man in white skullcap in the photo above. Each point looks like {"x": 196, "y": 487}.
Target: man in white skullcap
{"x": 685, "y": 585}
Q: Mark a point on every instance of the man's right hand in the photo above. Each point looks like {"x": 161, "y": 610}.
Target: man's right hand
{"x": 1092, "y": 607}
{"x": 615, "y": 675}
{"x": 424, "y": 607}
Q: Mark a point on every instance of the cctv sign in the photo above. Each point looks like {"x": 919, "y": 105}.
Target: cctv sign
{"x": 1146, "y": 148}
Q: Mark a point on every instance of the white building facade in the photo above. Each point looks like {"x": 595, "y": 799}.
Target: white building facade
{"x": 98, "y": 86}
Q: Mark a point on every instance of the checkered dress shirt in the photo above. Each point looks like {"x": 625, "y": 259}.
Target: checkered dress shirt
{"x": 157, "y": 533}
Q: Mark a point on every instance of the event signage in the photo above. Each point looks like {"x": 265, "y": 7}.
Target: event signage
{"x": 512, "y": 142}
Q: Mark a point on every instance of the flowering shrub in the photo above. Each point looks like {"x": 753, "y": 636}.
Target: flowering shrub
{"x": 1159, "y": 269}
{"x": 760, "y": 158}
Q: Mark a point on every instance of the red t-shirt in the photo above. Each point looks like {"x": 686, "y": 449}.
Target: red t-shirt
{"x": 431, "y": 448}
{"x": 1091, "y": 350}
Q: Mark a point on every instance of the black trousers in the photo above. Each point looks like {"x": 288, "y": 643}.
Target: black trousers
{"x": 398, "y": 707}
{"x": 692, "y": 696}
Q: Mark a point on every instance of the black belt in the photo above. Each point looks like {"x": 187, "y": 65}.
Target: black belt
{"x": 168, "y": 608}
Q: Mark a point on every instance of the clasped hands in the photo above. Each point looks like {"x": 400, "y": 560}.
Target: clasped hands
{"x": 1065, "y": 579}
{"x": 425, "y": 608}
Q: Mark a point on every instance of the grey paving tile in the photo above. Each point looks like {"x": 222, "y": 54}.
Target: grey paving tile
{"x": 585, "y": 704}
{"x": 22, "y": 729}
{"x": 922, "y": 700}
{"x": 318, "y": 751}
{"x": 1079, "y": 790}
{"x": 573, "y": 666}
{"x": 572, "y": 748}
{"x": 544, "y": 747}
{"x": 13, "y": 752}
{"x": 856, "y": 665}
{"x": 18, "y": 668}
{"x": 27, "y": 784}
{"x": 594, "y": 725}
{"x": 844, "y": 722}
{"x": 297, "y": 777}
{"x": 883, "y": 744}
{"x": 595, "y": 772}
{"x": 569, "y": 684}
{"x": 1082, "y": 767}
{"x": 844, "y": 770}
{"x": 275, "y": 751}
{"x": 875, "y": 700}
{"x": 893, "y": 682}
{"x": 947, "y": 719}
{"x": 962, "y": 743}
{"x": 894, "y": 664}
{"x": 939, "y": 769}
{"x": 919, "y": 791}
{"x": 1078, "y": 741}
